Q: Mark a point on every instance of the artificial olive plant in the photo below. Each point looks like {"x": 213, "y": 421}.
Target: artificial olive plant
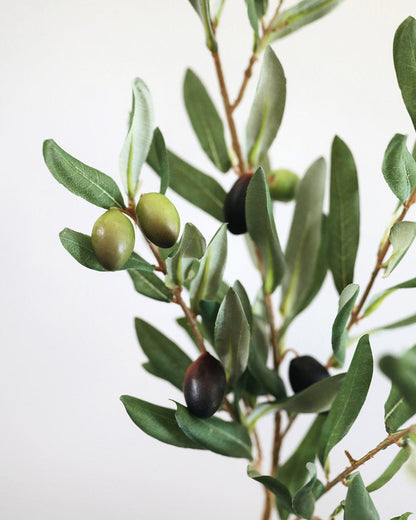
{"x": 236, "y": 380}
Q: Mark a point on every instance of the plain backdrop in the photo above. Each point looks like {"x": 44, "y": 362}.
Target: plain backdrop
{"x": 68, "y": 348}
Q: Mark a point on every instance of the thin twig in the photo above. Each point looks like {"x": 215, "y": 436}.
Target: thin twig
{"x": 191, "y": 318}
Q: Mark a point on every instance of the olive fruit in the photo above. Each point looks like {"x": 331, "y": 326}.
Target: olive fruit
{"x": 204, "y": 386}
{"x": 112, "y": 239}
{"x": 158, "y": 219}
{"x": 235, "y": 205}
{"x": 304, "y": 371}
{"x": 282, "y": 185}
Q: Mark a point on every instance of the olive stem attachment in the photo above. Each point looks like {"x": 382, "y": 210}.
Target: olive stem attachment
{"x": 191, "y": 318}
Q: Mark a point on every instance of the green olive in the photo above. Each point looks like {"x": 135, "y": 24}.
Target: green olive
{"x": 112, "y": 239}
{"x": 158, "y": 219}
{"x": 283, "y": 184}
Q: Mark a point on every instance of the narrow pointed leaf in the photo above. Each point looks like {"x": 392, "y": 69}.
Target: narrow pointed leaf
{"x": 139, "y": 137}
{"x": 401, "y": 236}
{"x": 303, "y": 246}
{"x": 79, "y": 246}
{"x": 401, "y": 370}
{"x": 304, "y": 499}
{"x": 208, "y": 311}
{"x": 339, "y": 333}
{"x": 378, "y": 299}
{"x": 404, "y": 516}
{"x": 157, "y": 421}
{"x": 202, "y": 7}
{"x": 208, "y": 280}
{"x": 164, "y": 355}
{"x": 349, "y": 399}
{"x": 206, "y": 122}
{"x": 262, "y": 230}
{"x": 358, "y": 503}
{"x": 395, "y": 465}
{"x": 281, "y": 492}
{"x": 244, "y": 299}
{"x": 253, "y": 16}
{"x": 193, "y": 185}
{"x": 267, "y": 110}
{"x": 149, "y": 284}
{"x": 162, "y": 157}
{"x": 405, "y": 322}
{"x": 82, "y": 180}
{"x": 399, "y": 168}
{"x": 223, "y": 437}
{"x": 232, "y": 336}
{"x": 344, "y": 215}
{"x": 396, "y": 410}
{"x": 404, "y": 54}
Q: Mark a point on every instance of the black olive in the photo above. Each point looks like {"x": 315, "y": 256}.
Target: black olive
{"x": 235, "y": 205}
{"x": 304, "y": 371}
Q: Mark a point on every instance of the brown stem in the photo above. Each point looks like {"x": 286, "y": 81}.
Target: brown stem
{"x": 277, "y": 443}
{"x": 228, "y": 112}
{"x": 273, "y": 335}
{"x": 259, "y": 458}
{"x": 191, "y": 318}
{"x": 388, "y": 441}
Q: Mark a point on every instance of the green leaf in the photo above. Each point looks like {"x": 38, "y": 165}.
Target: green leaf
{"x": 170, "y": 362}
{"x": 344, "y": 215}
{"x": 150, "y": 285}
{"x": 301, "y": 14}
{"x": 208, "y": 279}
{"x": 182, "y": 265}
{"x": 404, "y": 54}
{"x": 262, "y": 230}
{"x": 404, "y": 516}
{"x": 196, "y": 187}
{"x": 281, "y": 492}
{"x": 401, "y": 370}
{"x": 138, "y": 139}
{"x": 395, "y": 465}
{"x": 157, "y": 421}
{"x": 267, "y": 109}
{"x": 261, "y": 7}
{"x": 396, "y": 410}
{"x": 208, "y": 311}
{"x": 82, "y": 180}
{"x": 304, "y": 499}
{"x": 203, "y": 9}
{"x": 399, "y": 168}
{"x": 401, "y": 237}
{"x": 376, "y": 301}
{"x": 223, "y": 437}
{"x": 303, "y": 246}
{"x": 205, "y": 120}
{"x": 162, "y": 158}
{"x": 293, "y": 472}
{"x": 253, "y": 16}
{"x": 358, "y": 503}
{"x": 79, "y": 246}
{"x": 349, "y": 399}
{"x": 244, "y": 300}
{"x": 410, "y": 320}
{"x": 339, "y": 333}
{"x": 232, "y": 336}
{"x": 316, "y": 398}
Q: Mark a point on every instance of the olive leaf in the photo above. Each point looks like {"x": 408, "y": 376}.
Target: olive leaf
{"x": 256, "y": 9}
{"x": 404, "y": 54}
{"x": 304, "y": 499}
{"x": 358, "y": 503}
{"x": 404, "y": 516}
{"x": 79, "y": 246}
{"x": 378, "y": 299}
{"x": 202, "y": 7}
{"x": 394, "y": 466}
{"x": 208, "y": 279}
{"x": 399, "y": 168}
{"x": 401, "y": 237}
{"x": 232, "y": 336}
{"x": 167, "y": 359}
{"x": 149, "y": 284}
{"x": 139, "y": 137}
{"x": 283, "y": 496}
{"x": 262, "y": 230}
{"x": 244, "y": 300}
{"x": 349, "y": 399}
{"x": 401, "y": 370}
{"x": 303, "y": 245}
{"x": 193, "y": 185}
{"x": 301, "y": 14}
{"x": 157, "y": 421}
{"x": 396, "y": 410}
{"x": 82, "y": 180}
{"x": 344, "y": 215}
{"x": 158, "y": 142}
{"x": 226, "y": 438}
{"x": 205, "y": 120}
{"x": 267, "y": 109}
{"x": 181, "y": 265}
{"x": 339, "y": 332}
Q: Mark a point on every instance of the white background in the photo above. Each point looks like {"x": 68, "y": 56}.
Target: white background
{"x": 68, "y": 348}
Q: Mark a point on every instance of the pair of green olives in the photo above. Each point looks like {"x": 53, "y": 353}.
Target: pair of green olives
{"x": 282, "y": 186}
{"x": 113, "y": 236}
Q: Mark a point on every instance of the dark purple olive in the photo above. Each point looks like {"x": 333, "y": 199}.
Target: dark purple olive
{"x": 304, "y": 371}
{"x": 235, "y": 205}
{"x": 204, "y": 386}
